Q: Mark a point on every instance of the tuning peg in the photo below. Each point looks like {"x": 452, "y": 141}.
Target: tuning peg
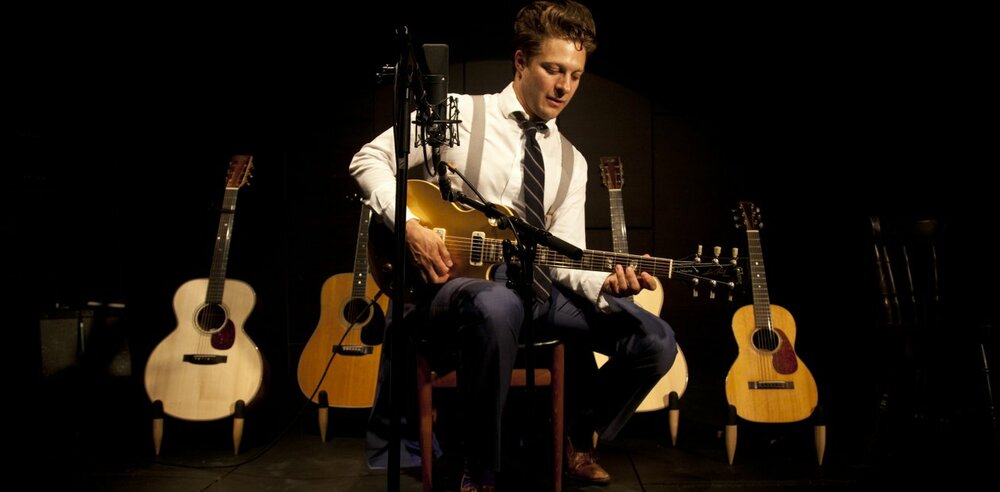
{"x": 694, "y": 287}
{"x": 736, "y": 254}
{"x": 732, "y": 287}
{"x": 716, "y": 251}
{"x": 697, "y": 255}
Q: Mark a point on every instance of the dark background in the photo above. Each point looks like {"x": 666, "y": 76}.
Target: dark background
{"x": 121, "y": 130}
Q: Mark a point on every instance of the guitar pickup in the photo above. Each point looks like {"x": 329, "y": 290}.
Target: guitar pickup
{"x": 756, "y": 385}
{"x": 476, "y": 255}
{"x": 353, "y": 350}
{"x": 205, "y": 359}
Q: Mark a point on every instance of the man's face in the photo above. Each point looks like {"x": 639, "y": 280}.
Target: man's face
{"x": 545, "y": 84}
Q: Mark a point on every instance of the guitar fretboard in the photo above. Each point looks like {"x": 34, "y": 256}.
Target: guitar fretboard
{"x": 761, "y": 300}
{"x": 619, "y": 235}
{"x": 217, "y": 277}
{"x": 359, "y": 284}
{"x": 483, "y": 250}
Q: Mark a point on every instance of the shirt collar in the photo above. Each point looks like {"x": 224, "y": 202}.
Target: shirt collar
{"x": 509, "y": 105}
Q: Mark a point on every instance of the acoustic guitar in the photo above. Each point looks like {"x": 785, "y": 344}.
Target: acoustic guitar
{"x": 767, "y": 382}
{"x": 675, "y": 380}
{"x": 345, "y": 310}
{"x": 208, "y": 363}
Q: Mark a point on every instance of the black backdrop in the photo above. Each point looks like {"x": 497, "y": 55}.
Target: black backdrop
{"x": 121, "y": 131}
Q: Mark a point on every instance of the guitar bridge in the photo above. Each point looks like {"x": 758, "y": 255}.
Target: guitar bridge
{"x": 771, "y": 385}
{"x": 353, "y": 350}
{"x": 205, "y": 359}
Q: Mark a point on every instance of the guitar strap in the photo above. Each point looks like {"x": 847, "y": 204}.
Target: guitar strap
{"x": 474, "y": 162}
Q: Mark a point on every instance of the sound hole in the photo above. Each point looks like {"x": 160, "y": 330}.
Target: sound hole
{"x": 766, "y": 340}
{"x": 356, "y": 311}
{"x": 212, "y": 318}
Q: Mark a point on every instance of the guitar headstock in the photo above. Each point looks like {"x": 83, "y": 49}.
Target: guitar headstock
{"x": 612, "y": 172}
{"x": 749, "y": 217}
{"x": 239, "y": 171}
{"x": 717, "y": 273}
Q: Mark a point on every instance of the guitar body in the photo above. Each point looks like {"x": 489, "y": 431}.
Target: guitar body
{"x": 449, "y": 220}
{"x": 768, "y": 382}
{"x": 352, "y": 378}
{"x": 198, "y": 373}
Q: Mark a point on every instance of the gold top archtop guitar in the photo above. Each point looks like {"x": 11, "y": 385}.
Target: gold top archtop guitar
{"x": 477, "y": 245}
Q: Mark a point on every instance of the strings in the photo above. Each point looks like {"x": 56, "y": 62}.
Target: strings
{"x": 490, "y": 250}
{"x": 761, "y": 309}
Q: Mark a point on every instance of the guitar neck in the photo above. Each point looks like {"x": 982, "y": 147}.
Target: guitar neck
{"x": 491, "y": 251}
{"x": 217, "y": 277}
{"x": 360, "y": 284}
{"x": 619, "y": 235}
{"x": 761, "y": 300}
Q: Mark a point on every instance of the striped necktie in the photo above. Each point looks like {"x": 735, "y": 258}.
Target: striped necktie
{"x": 534, "y": 195}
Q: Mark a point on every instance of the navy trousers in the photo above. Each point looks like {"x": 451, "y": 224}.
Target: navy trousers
{"x": 482, "y": 322}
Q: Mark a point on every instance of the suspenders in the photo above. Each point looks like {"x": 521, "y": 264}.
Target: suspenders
{"x": 475, "y": 156}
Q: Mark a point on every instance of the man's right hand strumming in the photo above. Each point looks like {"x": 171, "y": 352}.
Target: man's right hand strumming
{"x": 429, "y": 252}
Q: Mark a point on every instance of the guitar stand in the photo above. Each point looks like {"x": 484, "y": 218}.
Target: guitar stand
{"x": 674, "y": 416}
{"x": 323, "y": 414}
{"x": 238, "y": 421}
{"x": 819, "y": 433}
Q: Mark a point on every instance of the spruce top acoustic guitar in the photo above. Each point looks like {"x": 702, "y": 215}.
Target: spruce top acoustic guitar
{"x": 675, "y": 380}
{"x": 208, "y": 363}
{"x": 767, "y": 382}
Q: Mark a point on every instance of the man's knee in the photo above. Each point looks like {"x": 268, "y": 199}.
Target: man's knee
{"x": 499, "y": 312}
{"x": 661, "y": 346}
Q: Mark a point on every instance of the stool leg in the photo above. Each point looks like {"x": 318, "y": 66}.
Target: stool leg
{"x": 558, "y": 398}
{"x": 426, "y": 404}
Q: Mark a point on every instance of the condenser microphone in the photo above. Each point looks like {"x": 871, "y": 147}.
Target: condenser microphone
{"x": 436, "y": 89}
{"x": 436, "y": 79}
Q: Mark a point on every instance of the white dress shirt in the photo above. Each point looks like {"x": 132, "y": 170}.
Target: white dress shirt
{"x": 500, "y": 178}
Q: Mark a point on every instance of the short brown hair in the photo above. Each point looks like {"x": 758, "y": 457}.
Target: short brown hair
{"x": 561, "y": 19}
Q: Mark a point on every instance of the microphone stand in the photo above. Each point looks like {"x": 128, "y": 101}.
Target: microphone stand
{"x": 405, "y": 73}
{"x": 409, "y": 83}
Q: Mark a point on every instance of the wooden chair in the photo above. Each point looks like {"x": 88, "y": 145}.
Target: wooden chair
{"x": 552, "y": 376}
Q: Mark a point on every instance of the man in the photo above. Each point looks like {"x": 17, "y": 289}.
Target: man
{"x": 484, "y": 317}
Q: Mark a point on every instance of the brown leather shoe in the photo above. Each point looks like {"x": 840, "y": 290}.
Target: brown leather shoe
{"x": 469, "y": 485}
{"x": 582, "y": 465}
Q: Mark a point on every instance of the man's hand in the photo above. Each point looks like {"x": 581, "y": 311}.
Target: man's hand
{"x": 429, "y": 252}
{"x": 624, "y": 282}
